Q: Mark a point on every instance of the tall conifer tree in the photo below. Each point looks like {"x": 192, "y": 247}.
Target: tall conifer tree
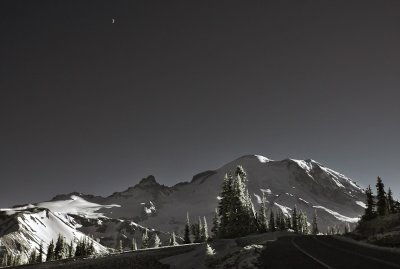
{"x": 186, "y": 237}
{"x": 381, "y": 204}
{"x": 315, "y": 230}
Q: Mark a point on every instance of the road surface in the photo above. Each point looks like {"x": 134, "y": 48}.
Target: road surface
{"x": 325, "y": 252}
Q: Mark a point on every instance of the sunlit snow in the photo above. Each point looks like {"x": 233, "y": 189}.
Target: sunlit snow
{"x": 337, "y": 215}
{"x": 285, "y": 210}
{"x": 77, "y": 206}
{"x": 362, "y": 204}
{"x": 262, "y": 159}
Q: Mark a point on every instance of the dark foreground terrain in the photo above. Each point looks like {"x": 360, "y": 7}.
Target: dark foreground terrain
{"x": 142, "y": 259}
{"x": 325, "y": 252}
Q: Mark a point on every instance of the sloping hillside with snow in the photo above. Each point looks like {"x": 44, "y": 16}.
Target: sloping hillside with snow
{"x": 305, "y": 183}
{"x": 125, "y": 215}
{"x": 23, "y": 230}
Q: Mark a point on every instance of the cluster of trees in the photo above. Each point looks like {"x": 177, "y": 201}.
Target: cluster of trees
{"x": 63, "y": 250}
{"x": 198, "y": 230}
{"x": 384, "y": 205}
{"x": 235, "y": 215}
{"x": 10, "y": 260}
{"x": 60, "y": 250}
{"x": 337, "y": 230}
{"x": 150, "y": 241}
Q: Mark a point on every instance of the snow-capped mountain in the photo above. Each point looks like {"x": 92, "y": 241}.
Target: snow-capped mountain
{"x": 305, "y": 183}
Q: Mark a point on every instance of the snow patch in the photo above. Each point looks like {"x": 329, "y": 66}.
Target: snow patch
{"x": 267, "y": 191}
{"x": 285, "y": 210}
{"x": 262, "y": 159}
{"x": 337, "y": 215}
{"x": 307, "y": 166}
{"x": 259, "y": 201}
{"x": 76, "y": 206}
{"x": 362, "y": 204}
{"x": 301, "y": 199}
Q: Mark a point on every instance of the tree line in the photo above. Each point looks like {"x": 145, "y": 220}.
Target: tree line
{"x": 382, "y": 204}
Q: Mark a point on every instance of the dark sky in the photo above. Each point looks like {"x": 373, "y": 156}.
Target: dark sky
{"x": 176, "y": 88}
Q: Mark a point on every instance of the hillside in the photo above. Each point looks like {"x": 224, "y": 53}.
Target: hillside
{"x": 125, "y": 215}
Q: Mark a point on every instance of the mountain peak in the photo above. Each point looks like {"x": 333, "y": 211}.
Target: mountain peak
{"x": 148, "y": 181}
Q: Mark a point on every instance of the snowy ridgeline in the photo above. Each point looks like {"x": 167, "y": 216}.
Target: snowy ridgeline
{"x": 124, "y": 216}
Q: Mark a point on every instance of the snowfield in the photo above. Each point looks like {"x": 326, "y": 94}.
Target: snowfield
{"x": 77, "y": 206}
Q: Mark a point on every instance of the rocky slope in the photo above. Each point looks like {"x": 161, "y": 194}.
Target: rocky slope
{"x": 123, "y": 215}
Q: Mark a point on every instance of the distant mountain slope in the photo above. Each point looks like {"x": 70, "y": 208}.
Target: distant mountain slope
{"x": 305, "y": 183}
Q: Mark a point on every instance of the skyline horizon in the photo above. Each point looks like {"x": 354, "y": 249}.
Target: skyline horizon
{"x": 158, "y": 179}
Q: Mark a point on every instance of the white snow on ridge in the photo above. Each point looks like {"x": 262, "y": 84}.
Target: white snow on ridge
{"x": 337, "y": 215}
{"x": 262, "y": 159}
{"x": 334, "y": 176}
{"x": 77, "y": 206}
{"x": 337, "y": 175}
{"x": 285, "y": 210}
{"x": 12, "y": 211}
{"x": 301, "y": 199}
{"x": 304, "y": 165}
{"x": 362, "y": 204}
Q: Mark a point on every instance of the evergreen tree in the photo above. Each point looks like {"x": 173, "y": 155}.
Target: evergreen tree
{"x": 172, "y": 240}
{"x": 156, "y": 241}
{"x": 4, "y": 261}
{"x": 17, "y": 260}
{"x": 236, "y": 211}
{"x": 50, "y": 252}
{"x": 195, "y": 232}
{"x": 381, "y": 198}
{"x": 59, "y": 250}
{"x": 250, "y": 219}
{"x": 216, "y": 224}
{"x": 199, "y": 229}
{"x": 145, "y": 240}
{"x": 315, "y": 230}
{"x": 79, "y": 251}
{"x": 70, "y": 250}
{"x": 91, "y": 248}
{"x": 288, "y": 222}
{"x": 281, "y": 223}
{"x": 261, "y": 217}
{"x": 295, "y": 226}
{"x": 225, "y": 209}
{"x": 346, "y": 228}
{"x": 272, "y": 226}
{"x": 120, "y": 246}
{"x": 204, "y": 230}
{"x": 369, "y": 210}
{"x": 32, "y": 257}
{"x": 134, "y": 244}
{"x": 391, "y": 203}
{"x": 39, "y": 257}
{"x": 186, "y": 237}
{"x": 302, "y": 223}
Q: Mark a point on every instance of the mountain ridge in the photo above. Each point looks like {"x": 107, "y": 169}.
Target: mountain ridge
{"x": 162, "y": 209}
